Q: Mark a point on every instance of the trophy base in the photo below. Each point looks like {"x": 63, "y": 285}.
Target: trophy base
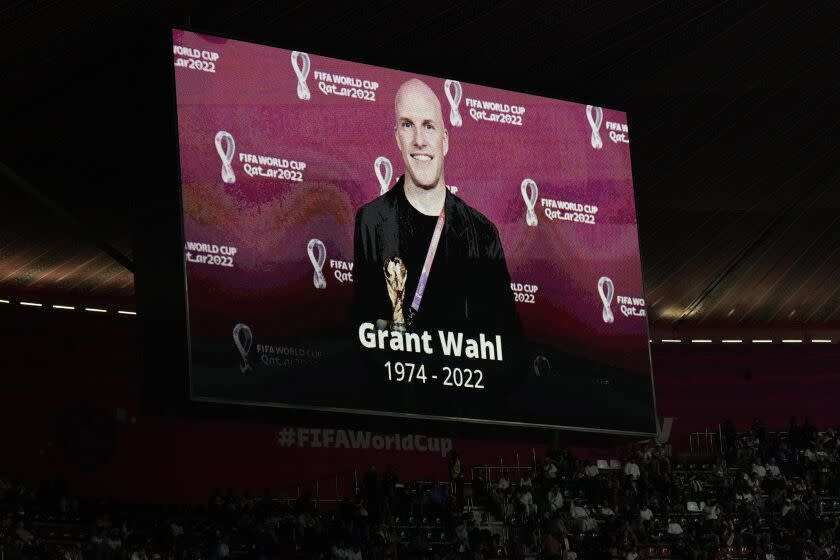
{"x": 383, "y": 325}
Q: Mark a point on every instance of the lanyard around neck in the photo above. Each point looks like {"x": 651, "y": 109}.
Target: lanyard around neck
{"x": 427, "y": 266}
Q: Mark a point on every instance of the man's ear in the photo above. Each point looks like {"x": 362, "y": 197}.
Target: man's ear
{"x": 397, "y": 137}
{"x": 445, "y": 141}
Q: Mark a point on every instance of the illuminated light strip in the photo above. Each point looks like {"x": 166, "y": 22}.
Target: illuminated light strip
{"x": 68, "y": 307}
{"x": 754, "y": 341}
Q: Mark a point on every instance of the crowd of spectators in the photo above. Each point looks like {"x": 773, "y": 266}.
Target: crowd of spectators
{"x": 764, "y": 496}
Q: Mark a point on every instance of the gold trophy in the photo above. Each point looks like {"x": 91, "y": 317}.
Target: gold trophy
{"x": 395, "y": 276}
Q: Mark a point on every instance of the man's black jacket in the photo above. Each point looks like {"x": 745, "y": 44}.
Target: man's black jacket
{"x": 478, "y": 297}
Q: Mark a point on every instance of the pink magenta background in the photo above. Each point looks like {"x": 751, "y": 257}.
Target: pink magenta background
{"x": 252, "y": 95}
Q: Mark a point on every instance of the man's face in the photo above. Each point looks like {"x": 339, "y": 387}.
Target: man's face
{"x": 421, "y": 136}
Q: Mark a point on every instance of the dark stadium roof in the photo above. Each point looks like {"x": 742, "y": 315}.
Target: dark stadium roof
{"x": 732, "y": 107}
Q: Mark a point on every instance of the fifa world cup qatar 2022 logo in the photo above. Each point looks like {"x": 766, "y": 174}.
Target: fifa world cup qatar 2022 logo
{"x": 317, "y": 252}
{"x": 627, "y": 306}
{"x": 530, "y": 192}
{"x": 226, "y": 148}
{"x": 542, "y": 367}
{"x": 384, "y": 173}
{"x": 243, "y": 339}
{"x": 454, "y": 92}
{"x": 606, "y": 289}
{"x": 301, "y": 66}
{"x": 595, "y": 116}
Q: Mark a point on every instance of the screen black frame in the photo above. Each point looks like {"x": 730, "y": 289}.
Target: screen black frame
{"x": 168, "y": 318}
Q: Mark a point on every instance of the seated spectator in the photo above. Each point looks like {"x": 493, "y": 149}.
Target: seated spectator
{"x": 361, "y": 511}
{"x": 23, "y": 534}
{"x": 113, "y": 541}
{"x": 663, "y": 460}
{"x": 728, "y": 533}
{"x": 462, "y": 541}
{"x": 591, "y": 470}
{"x": 555, "y": 499}
{"x": 674, "y": 528}
{"x": 221, "y": 549}
{"x": 626, "y": 541}
{"x": 549, "y": 469}
{"x": 759, "y": 470}
{"x": 631, "y": 469}
{"x": 552, "y": 546}
{"x": 711, "y": 511}
{"x": 799, "y": 488}
{"x": 772, "y": 469}
{"x": 339, "y": 550}
{"x": 526, "y": 500}
{"x": 754, "y": 483}
{"x": 504, "y": 482}
{"x": 556, "y": 543}
{"x": 742, "y": 483}
{"x": 696, "y": 485}
{"x": 787, "y": 508}
{"x": 646, "y": 519}
{"x": 605, "y": 510}
{"x": 582, "y": 518}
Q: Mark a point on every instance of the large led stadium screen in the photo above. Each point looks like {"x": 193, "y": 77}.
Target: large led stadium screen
{"x": 367, "y": 240}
